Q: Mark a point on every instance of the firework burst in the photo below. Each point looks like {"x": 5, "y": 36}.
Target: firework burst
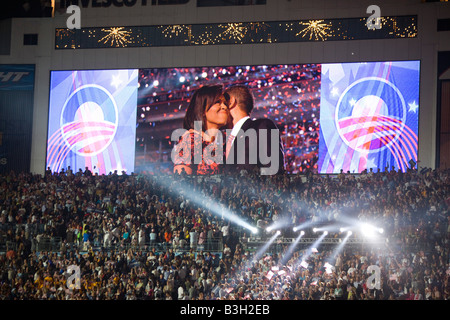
{"x": 117, "y": 36}
{"x": 316, "y": 29}
{"x": 235, "y": 31}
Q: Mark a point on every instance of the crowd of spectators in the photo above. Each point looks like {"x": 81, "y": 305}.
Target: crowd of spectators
{"x": 109, "y": 226}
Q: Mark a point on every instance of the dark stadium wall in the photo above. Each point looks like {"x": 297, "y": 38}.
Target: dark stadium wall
{"x": 16, "y": 117}
{"x": 444, "y": 129}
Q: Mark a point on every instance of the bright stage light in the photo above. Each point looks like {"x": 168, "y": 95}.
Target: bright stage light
{"x": 370, "y": 231}
{"x": 268, "y": 229}
{"x": 254, "y": 230}
{"x": 155, "y": 83}
{"x": 295, "y": 229}
{"x": 314, "y": 230}
{"x": 182, "y": 79}
{"x": 302, "y": 233}
{"x": 325, "y": 233}
{"x": 365, "y": 228}
{"x": 278, "y": 232}
{"x": 349, "y": 233}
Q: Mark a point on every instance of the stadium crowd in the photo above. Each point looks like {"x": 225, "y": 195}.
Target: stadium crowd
{"x": 134, "y": 237}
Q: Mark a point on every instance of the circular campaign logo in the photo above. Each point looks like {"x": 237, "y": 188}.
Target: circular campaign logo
{"x": 370, "y": 114}
{"x": 89, "y": 120}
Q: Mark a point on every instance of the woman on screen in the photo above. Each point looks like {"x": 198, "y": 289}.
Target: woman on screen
{"x": 199, "y": 150}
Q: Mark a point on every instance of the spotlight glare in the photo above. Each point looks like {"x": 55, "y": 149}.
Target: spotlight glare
{"x": 349, "y": 233}
{"x": 295, "y": 229}
{"x": 268, "y": 229}
{"x": 370, "y": 231}
{"x": 325, "y": 233}
{"x": 314, "y": 230}
{"x": 366, "y": 229}
{"x": 302, "y": 232}
{"x": 278, "y": 232}
{"x": 254, "y": 230}
{"x": 182, "y": 79}
{"x": 155, "y": 83}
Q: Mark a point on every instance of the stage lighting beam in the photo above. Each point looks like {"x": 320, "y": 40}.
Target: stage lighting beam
{"x": 264, "y": 248}
{"x": 291, "y": 249}
{"x": 206, "y": 202}
{"x": 339, "y": 247}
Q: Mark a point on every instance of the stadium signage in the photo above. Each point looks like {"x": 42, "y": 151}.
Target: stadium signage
{"x": 12, "y": 76}
{"x": 16, "y": 77}
{"x": 63, "y": 4}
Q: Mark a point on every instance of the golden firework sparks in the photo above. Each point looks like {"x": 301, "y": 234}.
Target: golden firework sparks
{"x": 315, "y": 28}
{"x": 61, "y": 33}
{"x": 117, "y": 36}
{"x": 235, "y": 31}
{"x": 259, "y": 26}
{"x": 175, "y": 30}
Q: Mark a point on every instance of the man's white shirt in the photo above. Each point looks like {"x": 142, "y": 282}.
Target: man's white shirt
{"x": 238, "y": 126}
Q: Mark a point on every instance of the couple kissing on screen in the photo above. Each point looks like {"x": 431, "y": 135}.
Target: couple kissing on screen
{"x": 220, "y": 137}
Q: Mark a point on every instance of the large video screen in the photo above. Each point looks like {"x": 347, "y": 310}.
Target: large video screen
{"x": 289, "y": 95}
{"x": 92, "y": 120}
{"x": 369, "y": 116}
{"x": 332, "y": 117}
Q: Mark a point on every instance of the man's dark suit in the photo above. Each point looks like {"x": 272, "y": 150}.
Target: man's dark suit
{"x": 251, "y": 156}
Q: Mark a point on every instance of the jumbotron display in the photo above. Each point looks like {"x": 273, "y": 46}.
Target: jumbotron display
{"x": 92, "y": 120}
{"x": 332, "y": 117}
{"x": 369, "y": 116}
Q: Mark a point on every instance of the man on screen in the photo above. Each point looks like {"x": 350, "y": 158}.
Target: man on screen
{"x": 252, "y": 145}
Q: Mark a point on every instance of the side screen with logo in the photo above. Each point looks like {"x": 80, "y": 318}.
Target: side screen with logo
{"x": 369, "y": 116}
{"x": 92, "y": 120}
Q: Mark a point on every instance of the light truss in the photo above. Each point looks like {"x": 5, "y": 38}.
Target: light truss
{"x": 259, "y": 240}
